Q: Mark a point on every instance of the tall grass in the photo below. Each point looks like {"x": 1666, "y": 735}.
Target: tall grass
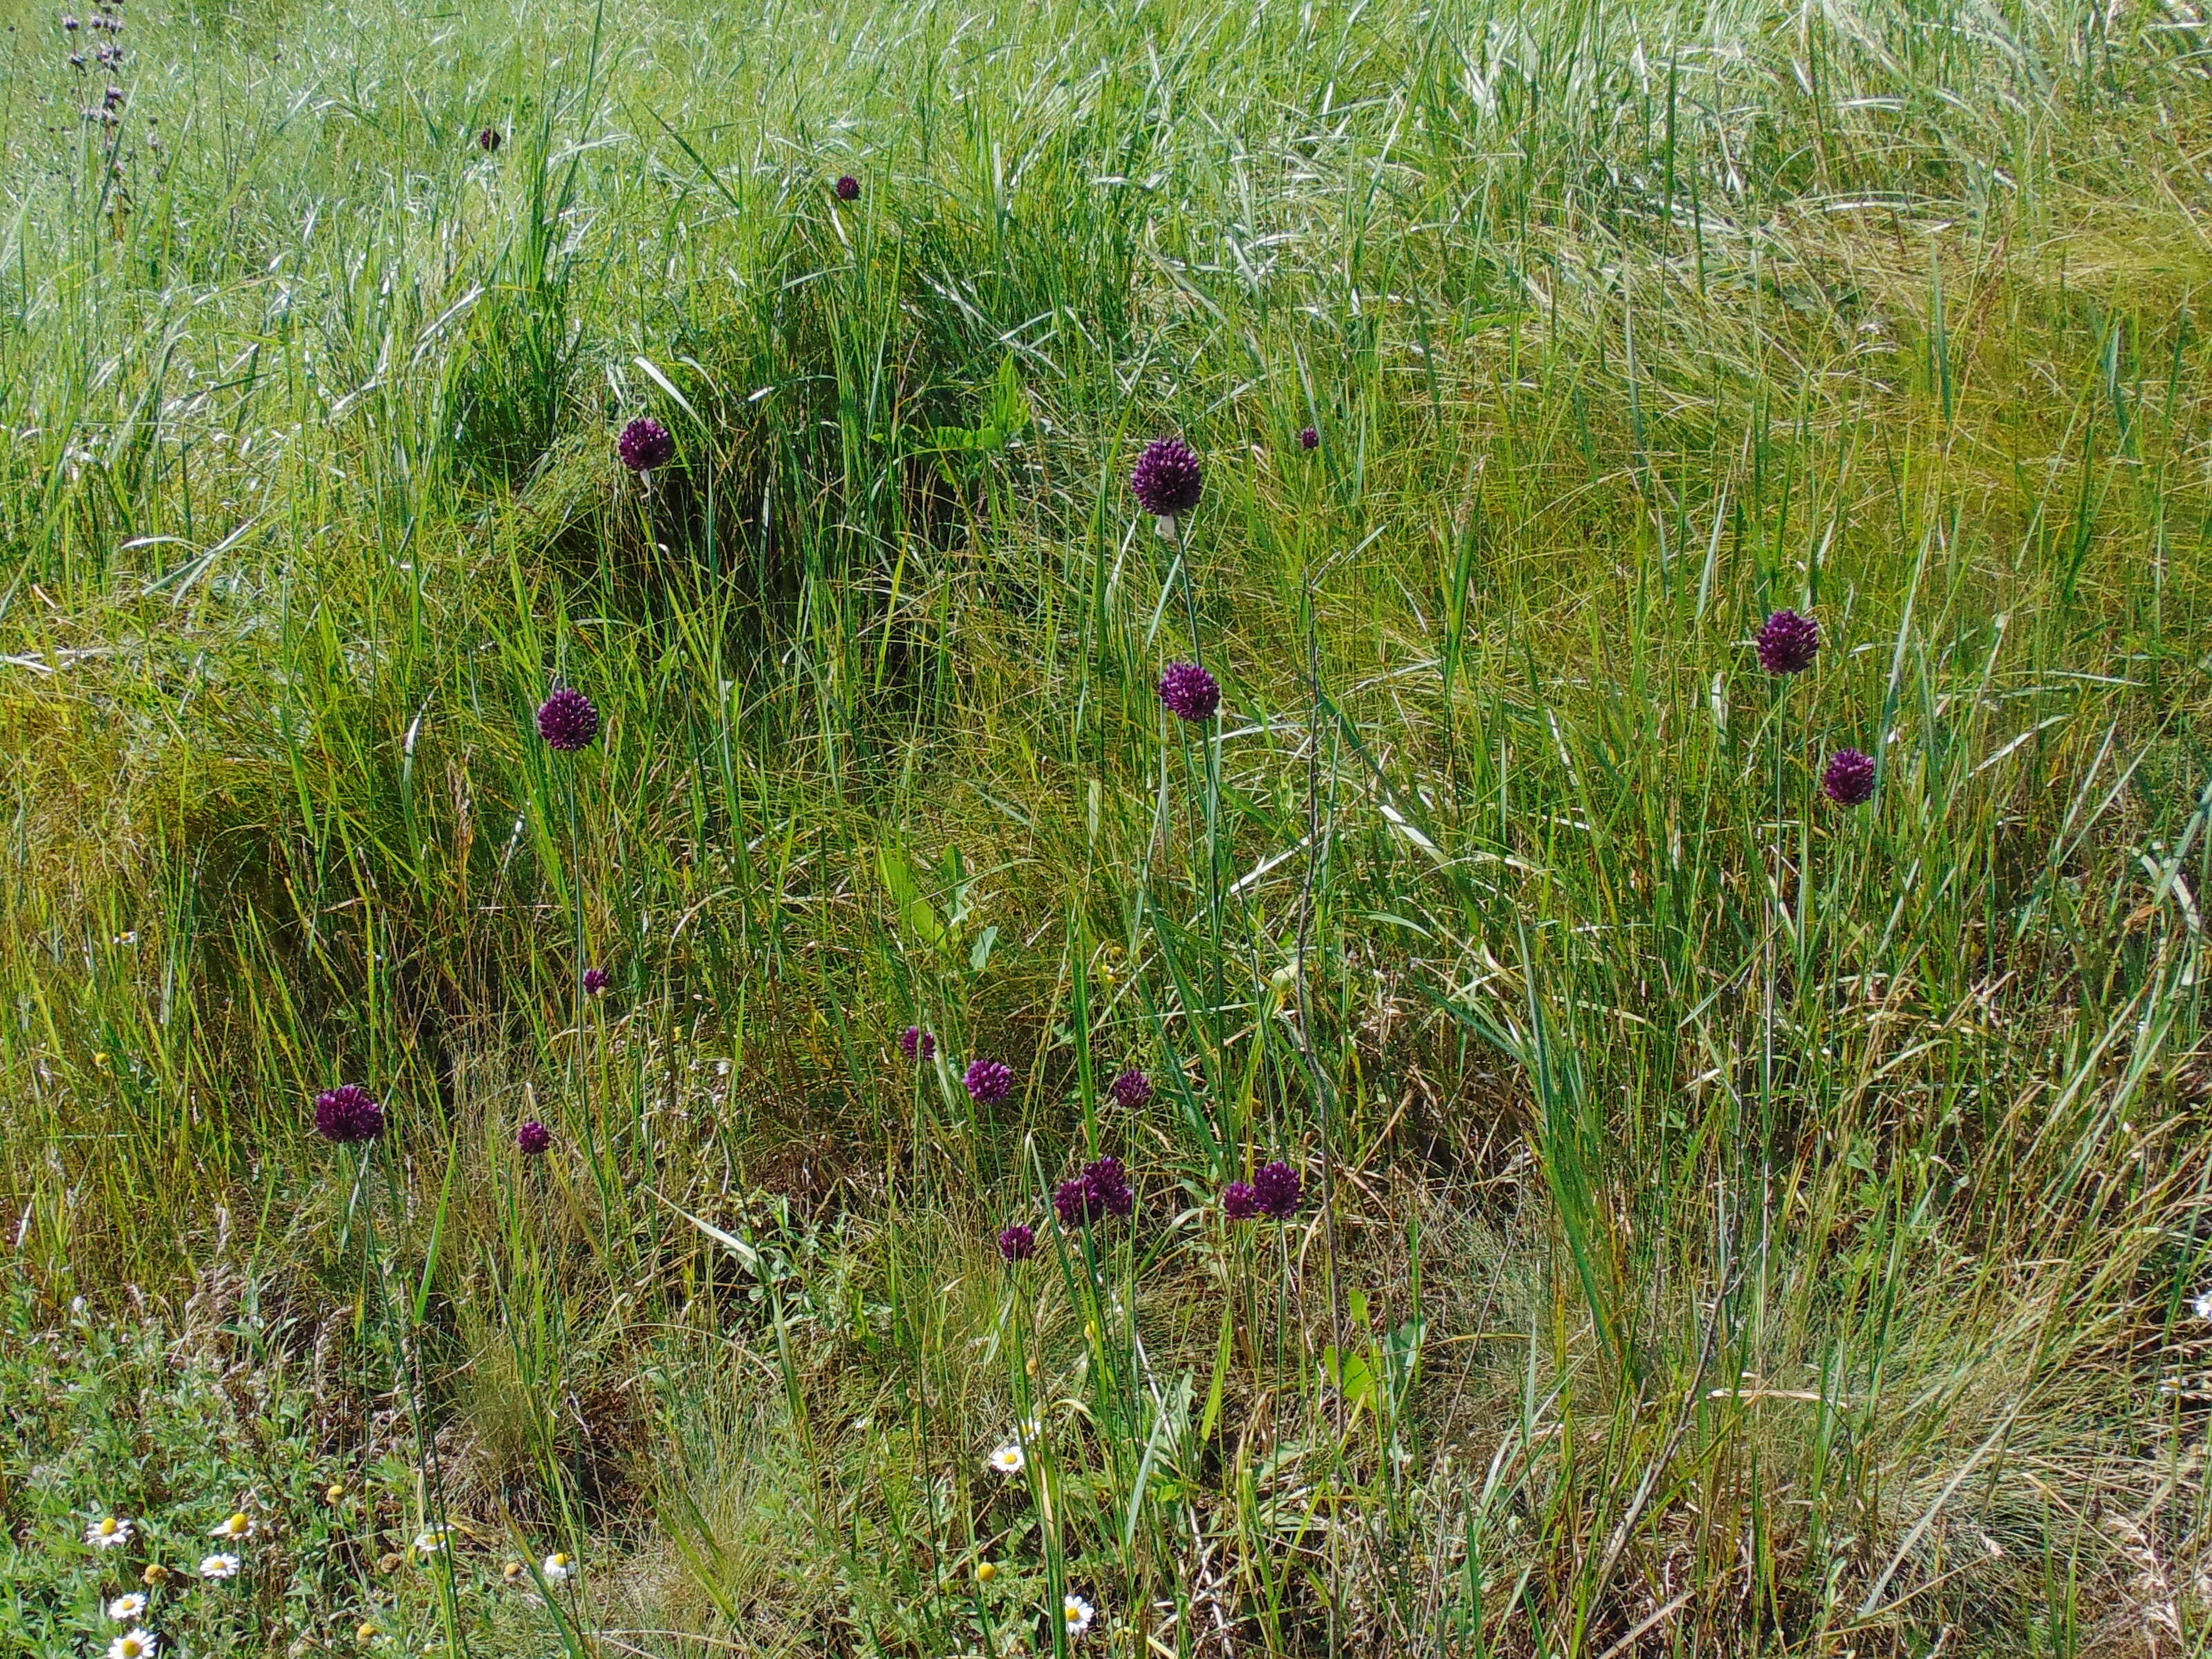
{"x": 1734, "y": 1224}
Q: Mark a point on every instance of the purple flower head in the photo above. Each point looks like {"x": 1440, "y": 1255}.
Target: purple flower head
{"x": 1189, "y": 691}
{"x": 567, "y": 721}
{"x": 489, "y": 140}
{"x": 1849, "y": 779}
{"x": 917, "y": 1044}
{"x": 1132, "y": 1091}
{"x": 1240, "y": 1200}
{"x": 848, "y": 188}
{"x": 1789, "y": 642}
{"x": 1102, "y": 1190}
{"x": 1277, "y": 1189}
{"x": 348, "y": 1115}
{"x": 1168, "y": 477}
{"x": 645, "y": 444}
{"x": 533, "y": 1139}
{"x": 68, "y": 23}
{"x": 1310, "y": 438}
{"x": 1018, "y": 1243}
{"x": 596, "y": 980}
{"x": 988, "y": 1081}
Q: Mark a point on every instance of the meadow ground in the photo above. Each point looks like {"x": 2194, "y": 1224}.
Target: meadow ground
{"x": 1729, "y": 1220}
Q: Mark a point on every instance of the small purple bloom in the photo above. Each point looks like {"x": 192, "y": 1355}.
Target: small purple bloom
{"x": 645, "y": 444}
{"x": 917, "y": 1044}
{"x": 1168, "y": 477}
{"x": 567, "y": 721}
{"x": 1189, "y": 691}
{"x": 348, "y": 1115}
{"x": 489, "y": 140}
{"x": 1018, "y": 1243}
{"x": 988, "y": 1081}
{"x": 533, "y": 1139}
{"x": 1787, "y": 643}
{"x": 596, "y": 980}
{"x": 1310, "y": 438}
{"x": 1102, "y": 1190}
{"x": 1240, "y": 1200}
{"x": 1849, "y": 779}
{"x": 848, "y": 188}
{"x": 1132, "y": 1091}
{"x": 1277, "y": 1189}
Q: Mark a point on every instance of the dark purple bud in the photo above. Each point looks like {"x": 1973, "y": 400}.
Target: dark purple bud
{"x": 1277, "y": 1189}
{"x": 848, "y": 188}
{"x": 1789, "y": 642}
{"x": 533, "y": 1140}
{"x": 1240, "y": 1200}
{"x": 567, "y": 721}
{"x": 489, "y": 140}
{"x": 69, "y": 22}
{"x": 988, "y": 1081}
{"x": 917, "y": 1044}
{"x": 1310, "y": 438}
{"x": 1132, "y": 1091}
{"x": 1849, "y": 779}
{"x": 348, "y": 1115}
{"x": 1018, "y": 1243}
{"x": 645, "y": 444}
{"x": 1189, "y": 691}
{"x": 1168, "y": 477}
{"x": 596, "y": 980}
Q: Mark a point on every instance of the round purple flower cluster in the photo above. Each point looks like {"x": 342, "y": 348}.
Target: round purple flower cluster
{"x": 1102, "y": 1190}
{"x": 1190, "y": 692}
{"x": 1132, "y": 1091}
{"x": 1018, "y": 1243}
{"x": 348, "y": 1115}
{"x": 1787, "y": 643}
{"x": 1310, "y": 438}
{"x": 489, "y": 140}
{"x": 1275, "y": 1192}
{"x": 1169, "y": 478}
{"x": 989, "y": 1081}
{"x": 1848, "y": 779}
{"x": 1278, "y": 1188}
{"x": 917, "y": 1044}
{"x": 596, "y": 980}
{"x": 567, "y": 721}
{"x": 848, "y": 188}
{"x": 533, "y": 1140}
{"x": 645, "y": 444}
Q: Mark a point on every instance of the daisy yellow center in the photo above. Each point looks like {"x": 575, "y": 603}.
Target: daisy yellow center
{"x": 109, "y": 1528}
{"x": 133, "y": 1647}
{"x": 236, "y": 1523}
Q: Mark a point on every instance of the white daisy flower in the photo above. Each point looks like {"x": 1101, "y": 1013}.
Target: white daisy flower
{"x": 2201, "y": 1304}
{"x": 232, "y": 1531}
{"x": 432, "y": 1541}
{"x": 134, "y": 1644}
{"x": 124, "y": 1608}
{"x": 560, "y": 1567}
{"x": 107, "y": 1532}
{"x": 1029, "y": 1431}
{"x": 1008, "y": 1459}
{"x": 219, "y": 1566}
{"x": 1078, "y": 1614}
